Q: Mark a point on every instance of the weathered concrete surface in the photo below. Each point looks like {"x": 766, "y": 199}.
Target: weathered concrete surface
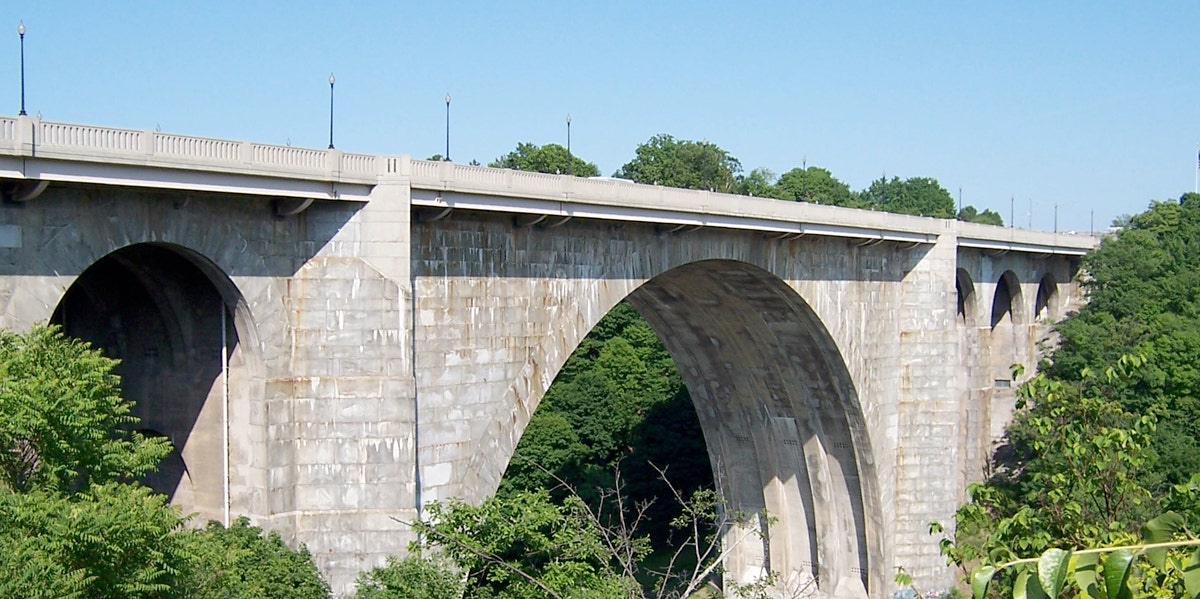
{"x": 330, "y": 372}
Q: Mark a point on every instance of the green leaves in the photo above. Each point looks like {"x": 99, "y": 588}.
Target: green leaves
{"x": 1052, "y": 570}
{"x": 664, "y": 160}
{"x": 62, "y": 418}
{"x": 980, "y": 578}
{"x": 1191, "y": 575}
{"x": 1117, "y": 567}
{"x": 920, "y": 196}
{"x": 1158, "y": 530}
{"x": 1141, "y": 285}
{"x": 1087, "y": 569}
{"x": 549, "y": 158}
{"x": 73, "y": 523}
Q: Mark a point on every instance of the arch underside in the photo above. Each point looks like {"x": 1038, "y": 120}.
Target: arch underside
{"x": 159, "y": 311}
{"x": 781, "y": 421}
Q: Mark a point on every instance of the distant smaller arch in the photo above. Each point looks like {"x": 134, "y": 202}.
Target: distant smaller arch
{"x": 1046, "y": 305}
{"x": 966, "y": 296}
{"x": 1006, "y": 299}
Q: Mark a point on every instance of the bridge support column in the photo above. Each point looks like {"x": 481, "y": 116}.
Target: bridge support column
{"x": 928, "y": 436}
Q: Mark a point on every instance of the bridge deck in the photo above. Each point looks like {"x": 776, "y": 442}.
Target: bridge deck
{"x": 33, "y": 149}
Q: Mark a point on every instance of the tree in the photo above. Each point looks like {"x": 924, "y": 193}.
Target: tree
{"x": 612, "y": 404}
{"x": 816, "y": 185}
{"x": 74, "y": 521}
{"x": 971, "y": 214}
{"x": 760, "y": 183}
{"x": 242, "y": 562}
{"x": 415, "y": 576}
{"x": 1141, "y": 289}
{"x": 664, "y": 160}
{"x": 62, "y": 418}
{"x": 110, "y": 540}
{"x": 919, "y": 196}
{"x": 525, "y": 546}
{"x": 1073, "y": 480}
{"x": 550, "y": 158}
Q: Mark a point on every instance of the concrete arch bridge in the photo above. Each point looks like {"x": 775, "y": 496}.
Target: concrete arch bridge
{"x": 332, "y": 340}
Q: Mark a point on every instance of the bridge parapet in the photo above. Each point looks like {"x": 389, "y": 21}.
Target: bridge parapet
{"x": 31, "y": 137}
{"x": 73, "y": 153}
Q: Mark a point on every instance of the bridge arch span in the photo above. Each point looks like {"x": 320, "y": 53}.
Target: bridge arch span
{"x": 780, "y": 415}
{"x": 187, "y": 346}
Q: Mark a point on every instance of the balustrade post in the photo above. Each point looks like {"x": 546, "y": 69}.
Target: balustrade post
{"x": 147, "y": 142}
{"x": 26, "y": 135}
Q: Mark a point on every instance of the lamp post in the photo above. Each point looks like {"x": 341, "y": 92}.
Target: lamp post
{"x": 570, "y": 163}
{"x": 21, "y": 32}
{"x": 446, "y": 156}
{"x": 331, "y": 80}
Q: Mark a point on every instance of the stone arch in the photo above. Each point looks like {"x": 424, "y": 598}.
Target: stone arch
{"x": 781, "y": 419}
{"x": 177, "y": 323}
{"x": 967, "y": 299}
{"x": 1046, "y": 305}
{"x": 1006, "y": 301}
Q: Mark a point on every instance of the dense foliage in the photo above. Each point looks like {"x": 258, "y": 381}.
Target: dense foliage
{"x": 62, "y": 417}
{"x": 549, "y": 158}
{"x": 664, "y": 160}
{"x": 1143, "y": 291}
{"x": 417, "y": 575}
{"x": 243, "y": 562}
{"x": 619, "y": 402}
{"x": 1107, "y": 438}
{"x": 526, "y": 546}
{"x": 74, "y": 521}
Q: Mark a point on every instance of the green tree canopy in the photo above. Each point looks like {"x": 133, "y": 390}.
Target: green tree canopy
{"x": 1073, "y": 480}
{"x": 1143, "y": 296}
{"x": 62, "y": 418}
{"x": 414, "y": 576}
{"x": 550, "y": 158}
{"x": 74, "y": 521}
{"x": 526, "y": 546}
{"x": 972, "y": 214}
{"x": 243, "y": 562}
{"x": 816, "y": 185}
{"x": 760, "y": 183}
{"x": 664, "y": 160}
{"x": 919, "y": 196}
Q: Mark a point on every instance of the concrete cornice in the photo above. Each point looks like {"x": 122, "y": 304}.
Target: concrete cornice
{"x": 33, "y": 149}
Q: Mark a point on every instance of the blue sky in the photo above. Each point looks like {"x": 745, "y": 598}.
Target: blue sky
{"x": 1092, "y": 106}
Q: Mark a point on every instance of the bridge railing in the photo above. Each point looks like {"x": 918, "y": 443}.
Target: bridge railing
{"x": 30, "y": 136}
{"x": 8, "y": 129}
{"x": 488, "y": 188}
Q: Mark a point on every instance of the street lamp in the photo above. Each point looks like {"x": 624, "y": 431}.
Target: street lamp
{"x": 570, "y": 163}
{"x": 331, "y": 80}
{"x": 21, "y": 32}
{"x": 446, "y": 156}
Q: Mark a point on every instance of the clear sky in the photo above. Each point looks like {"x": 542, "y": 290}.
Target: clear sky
{"x": 1090, "y": 105}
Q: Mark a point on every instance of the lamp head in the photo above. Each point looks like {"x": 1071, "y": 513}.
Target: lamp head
{"x": 21, "y": 29}
{"x": 331, "y": 80}
{"x": 568, "y": 118}
{"x": 447, "y": 97}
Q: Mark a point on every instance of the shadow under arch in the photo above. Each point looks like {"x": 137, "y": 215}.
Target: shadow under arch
{"x": 1006, "y": 302}
{"x": 782, "y": 422}
{"x": 172, "y": 318}
{"x": 1046, "y": 304}
{"x": 967, "y": 299}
